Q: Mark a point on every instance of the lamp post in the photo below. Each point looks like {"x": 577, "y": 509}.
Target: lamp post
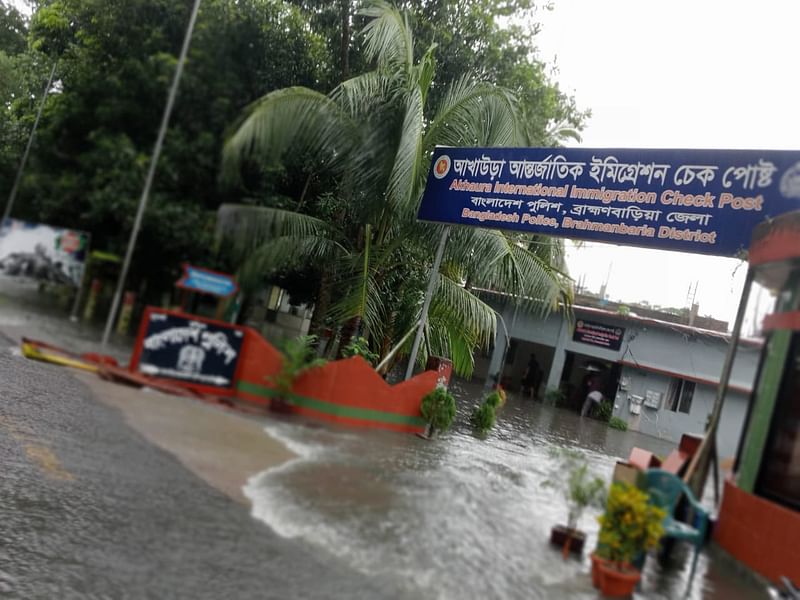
{"x": 173, "y": 92}
{"x": 13, "y": 194}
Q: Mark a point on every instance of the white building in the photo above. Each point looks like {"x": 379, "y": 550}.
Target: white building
{"x": 662, "y": 376}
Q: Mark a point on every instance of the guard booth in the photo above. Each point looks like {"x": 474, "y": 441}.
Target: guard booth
{"x": 759, "y": 520}
{"x": 198, "y": 286}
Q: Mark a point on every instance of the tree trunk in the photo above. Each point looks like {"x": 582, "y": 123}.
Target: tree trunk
{"x": 350, "y": 330}
{"x": 344, "y": 49}
{"x": 245, "y": 309}
{"x": 317, "y": 324}
{"x": 322, "y": 304}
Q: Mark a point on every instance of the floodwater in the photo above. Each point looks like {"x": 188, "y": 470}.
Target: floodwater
{"x": 26, "y": 312}
{"x": 461, "y": 517}
{"x": 455, "y": 518}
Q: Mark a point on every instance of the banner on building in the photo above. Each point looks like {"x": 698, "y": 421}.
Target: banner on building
{"x": 187, "y": 348}
{"x": 42, "y": 253}
{"x": 702, "y": 201}
{"x": 597, "y": 334}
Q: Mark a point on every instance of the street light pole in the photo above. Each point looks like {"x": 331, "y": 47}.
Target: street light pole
{"x": 13, "y": 194}
{"x": 173, "y": 92}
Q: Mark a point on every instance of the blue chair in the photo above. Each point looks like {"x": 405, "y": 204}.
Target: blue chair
{"x": 665, "y": 490}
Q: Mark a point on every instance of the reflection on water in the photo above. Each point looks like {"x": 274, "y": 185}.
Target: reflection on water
{"x": 26, "y": 312}
{"x": 458, "y": 517}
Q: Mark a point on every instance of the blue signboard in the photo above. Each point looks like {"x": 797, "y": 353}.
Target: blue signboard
{"x": 703, "y": 201}
{"x": 207, "y": 282}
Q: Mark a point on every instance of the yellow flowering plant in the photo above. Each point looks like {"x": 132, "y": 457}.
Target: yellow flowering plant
{"x": 629, "y": 526}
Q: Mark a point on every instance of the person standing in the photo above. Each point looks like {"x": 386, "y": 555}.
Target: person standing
{"x": 532, "y": 378}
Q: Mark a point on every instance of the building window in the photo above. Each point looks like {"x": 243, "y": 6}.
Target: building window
{"x": 679, "y": 397}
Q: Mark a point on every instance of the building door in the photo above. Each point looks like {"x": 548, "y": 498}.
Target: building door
{"x": 583, "y": 373}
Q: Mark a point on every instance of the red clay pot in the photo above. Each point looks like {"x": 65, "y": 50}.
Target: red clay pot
{"x": 617, "y": 582}
{"x": 596, "y": 572}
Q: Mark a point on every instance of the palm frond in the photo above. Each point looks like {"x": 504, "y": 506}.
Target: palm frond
{"x": 286, "y": 253}
{"x": 360, "y": 95}
{"x": 247, "y": 227}
{"x": 388, "y": 38}
{"x": 474, "y": 114}
{"x": 296, "y": 119}
{"x": 463, "y": 310}
{"x": 458, "y": 323}
{"x": 352, "y": 302}
{"x": 498, "y": 261}
{"x": 400, "y": 188}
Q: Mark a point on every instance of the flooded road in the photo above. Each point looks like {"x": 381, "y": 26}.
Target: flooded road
{"x": 90, "y": 510}
{"x": 459, "y": 517}
{"x": 26, "y": 312}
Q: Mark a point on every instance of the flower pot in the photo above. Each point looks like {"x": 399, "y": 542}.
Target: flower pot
{"x": 616, "y": 581}
{"x": 596, "y": 572}
{"x": 573, "y": 539}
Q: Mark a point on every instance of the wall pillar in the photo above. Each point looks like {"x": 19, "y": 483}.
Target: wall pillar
{"x": 559, "y": 357}
{"x": 496, "y": 365}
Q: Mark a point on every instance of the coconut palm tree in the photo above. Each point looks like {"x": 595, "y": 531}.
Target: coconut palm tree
{"x": 370, "y": 136}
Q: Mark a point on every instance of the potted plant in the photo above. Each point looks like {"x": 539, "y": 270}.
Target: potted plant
{"x": 629, "y": 527}
{"x": 580, "y": 491}
{"x": 438, "y": 408}
{"x": 298, "y": 357}
{"x": 483, "y": 417}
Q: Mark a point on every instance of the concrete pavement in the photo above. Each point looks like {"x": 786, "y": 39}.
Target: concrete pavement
{"x": 91, "y": 509}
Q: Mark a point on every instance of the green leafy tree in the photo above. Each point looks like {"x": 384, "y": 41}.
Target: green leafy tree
{"x": 372, "y": 139}
{"x": 493, "y": 39}
{"x": 13, "y": 29}
{"x": 116, "y": 60}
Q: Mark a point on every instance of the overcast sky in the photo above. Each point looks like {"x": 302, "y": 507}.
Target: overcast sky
{"x": 676, "y": 74}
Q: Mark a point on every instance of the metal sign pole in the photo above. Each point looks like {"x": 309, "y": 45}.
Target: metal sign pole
{"x": 698, "y": 468}
{"x": 13, "y": 194}
{"x": 423, "y": 318}
{"x": 173, "y": 92}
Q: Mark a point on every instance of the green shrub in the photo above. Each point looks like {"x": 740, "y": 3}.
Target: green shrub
{"x": 494, "y": 400}
{"x": 605, "y": 410}
{"x": 630, "y": 525}
{"x": 438, "y": 408}
{"x": 360, "y": 347}
{"x": 483, "y": 418}
{"x": 617, "y": 423}
{"x": 298, "y": 357}
{"x": 554, "y": 396}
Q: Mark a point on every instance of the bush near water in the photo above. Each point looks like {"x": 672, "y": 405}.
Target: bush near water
{"x": 438, "y": 408}
{"x": 484, "y": 416}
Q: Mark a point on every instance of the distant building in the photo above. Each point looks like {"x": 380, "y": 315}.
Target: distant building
{"x": 660, "y": 373}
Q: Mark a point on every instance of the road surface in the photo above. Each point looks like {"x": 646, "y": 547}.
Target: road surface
{"x": 89, "y": 509}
